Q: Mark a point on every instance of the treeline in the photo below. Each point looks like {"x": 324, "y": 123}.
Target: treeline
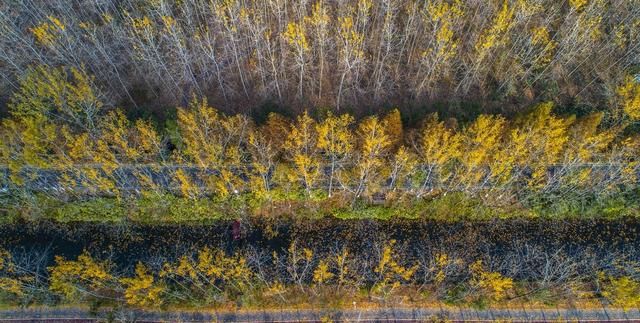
{"x": 299, "y": 276}
{"x": 347, "y": 54}
{"x": 62, "y": 141}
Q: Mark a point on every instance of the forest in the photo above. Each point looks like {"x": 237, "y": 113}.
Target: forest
{"x": 307, "y": 154}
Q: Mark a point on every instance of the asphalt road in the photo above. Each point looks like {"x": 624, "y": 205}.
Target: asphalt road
{"x": 352, "y": 315}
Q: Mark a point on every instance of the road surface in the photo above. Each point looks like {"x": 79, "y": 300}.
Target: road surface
{"x": 352, "y": 315}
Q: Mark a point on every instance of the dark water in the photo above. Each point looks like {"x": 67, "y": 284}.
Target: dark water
{"x": 503, "y": 241}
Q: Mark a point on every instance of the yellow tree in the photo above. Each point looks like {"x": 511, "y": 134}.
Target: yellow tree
{"x": 494, "y": 284}
{"x": 125, "y": 144}
{"x": 301, "y": 149}
{"x": 373, "y": 145}
{"x": 403, "y": 165}
{"x": 496, "y": 34}
{"x": 83, "y": 278}
{"x": 439, "y": 146}
{"x": 443, "y": 17}
{"x": 213, "y": 143}
{"x": 390, "y": 271}
{"x": 319, "y": 27}
{"x": 335, "y": 141}
{"x": 350, "y": 53}
{"x": 588, "y": 142}
{"x": 65, "y": 96}
{"x": 481, "y": 140}
{"x": 263, "y": 150}
{"x": 393, "y": 121}
{"x": 47, "y": 33}
{"x": 27, "y": 142}
{"x": 545, "y": 140}
{"x": 545, "y": 47}
{"x": 510, "y": 154}
{"x": 629, "y": 96}
{"x": 295, "y": 36}
{"x": 142, "y": 290}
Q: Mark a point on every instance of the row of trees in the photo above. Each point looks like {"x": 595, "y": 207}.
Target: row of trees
{"x": 344, "y": 54}
{"x": 61, "y": 138}
{"x": 211, "y": 277}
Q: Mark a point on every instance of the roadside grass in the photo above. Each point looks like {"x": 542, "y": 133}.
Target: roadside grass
{"x": 447, "y": 207}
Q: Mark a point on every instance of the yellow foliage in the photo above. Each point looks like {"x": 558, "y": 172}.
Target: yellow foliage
{"x": 392, "y": 274}
{"x": 545, "y": 138}
{"x": 404, "y": 163}
{"x": 319, "y": 18}
{"x": 169, "y": 23}
{"x": 578, "y": 5}
{"x": 439, "y": 145}
{"x": 295, "y": 35}
{"x": 373, "y": 143}
{"x": 494, "y": 283}
{"x": 211, "y": 268}
{"x": 142, "y": 290}
{"x": 586, "y": 140}
{"x": 202, "y": 136}
{"x": 393, "y": 123}
{"x": 11, "y": 282}
{"x": 540, "y": 37}
{"x": 27, "y": 142}
{"x": 47, "y": 33}
{"x": 591, "y": 26}
{"x": 82, "y": 277}
{"x": 443, "y": 15}
{"x": 481, "y": 141}
{"x": 142, "y": 26}
{"x": 629, "y": 94}
{"x": 441, "y": 262}
{"x": 623, "y": 292}
{"x": 322, "y": 274}
{"x": 334, "y": 136}
{"x": 351, "y": 39}
{"x": 301, "y": 145}
{"x": 496, "y": 34}
{"x": 186, "y": 185}
{"x": 11, "y": 286}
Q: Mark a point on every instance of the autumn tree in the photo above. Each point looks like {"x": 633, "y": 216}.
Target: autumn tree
{"x": 335, "y": 141}
{"x": 373, "y": 144}
{"x": 301, "y": 149}
{"x": 438, "y": 147}
{"x": 81, "y": 279}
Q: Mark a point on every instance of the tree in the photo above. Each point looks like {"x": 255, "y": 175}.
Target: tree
{"x": 629, "y": 94}
{"x": 319, "y": 26}
{"x": 301, "y": 149}
{"x": 438, "y": 147}
{"x": 481, "y": 141}
{"x": 81, "y": 279}
{"x": 443, "y": 18}
{"x": 335, "y": 141}
{"x": 62, "y": 96}
{"x": 623, "y": 292}
{"x": 295, "y": 35}
{"x": 546, "y": 137}
{"x": 142, "y": 290}
{"x": 213, "y": 143}
{"x": 373, "y": 144}
{"x": 493, "y": 283}
{"x": 390, "y": 271}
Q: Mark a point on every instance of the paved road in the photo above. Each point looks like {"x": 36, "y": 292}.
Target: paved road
{"x": 380, "y": 315}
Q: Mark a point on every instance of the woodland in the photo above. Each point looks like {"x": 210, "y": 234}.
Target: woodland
{"x": 305, "y": 154}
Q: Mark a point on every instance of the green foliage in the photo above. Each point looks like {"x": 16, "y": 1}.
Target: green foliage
{"x": 94, "y": 210}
